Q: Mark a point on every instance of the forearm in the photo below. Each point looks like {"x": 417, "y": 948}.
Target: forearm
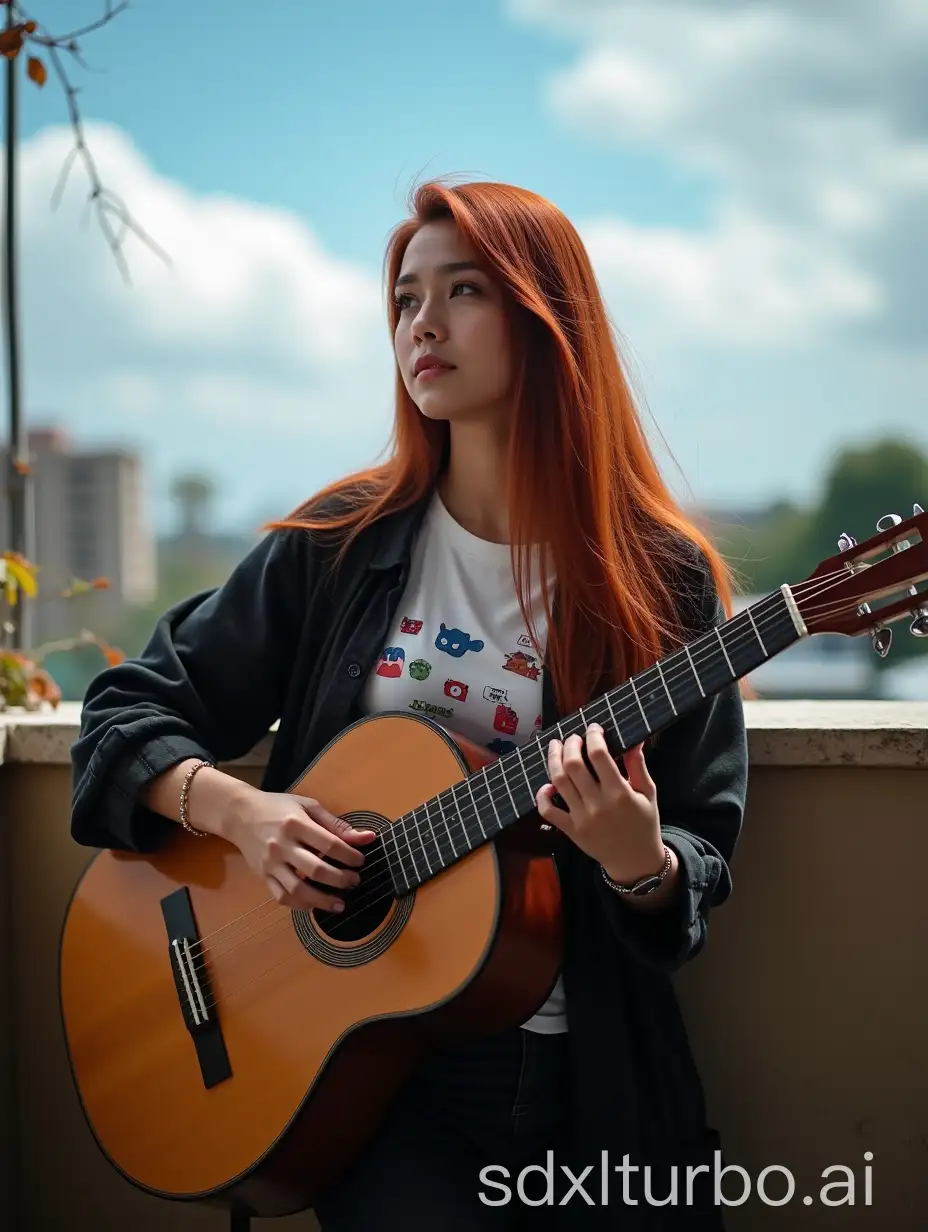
{"x": 214, "y": 799}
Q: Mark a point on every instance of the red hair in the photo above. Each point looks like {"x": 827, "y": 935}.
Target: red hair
{"x": 583, "y": 483}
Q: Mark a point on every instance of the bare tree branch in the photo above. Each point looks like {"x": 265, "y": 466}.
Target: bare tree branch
{"x": 107, "y": 203}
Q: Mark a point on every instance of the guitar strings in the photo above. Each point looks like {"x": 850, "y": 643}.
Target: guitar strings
{"x": 369, "y": 888}
{"x": 378, "y": 882}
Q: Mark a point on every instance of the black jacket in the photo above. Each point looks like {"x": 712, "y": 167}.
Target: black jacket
{"x": 285, "y": 639}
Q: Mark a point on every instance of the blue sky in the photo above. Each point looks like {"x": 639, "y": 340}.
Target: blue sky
{"x": 750, "y": 200}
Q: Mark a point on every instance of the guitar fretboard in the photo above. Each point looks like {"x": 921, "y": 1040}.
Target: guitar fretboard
{"x": 459, "y": 819}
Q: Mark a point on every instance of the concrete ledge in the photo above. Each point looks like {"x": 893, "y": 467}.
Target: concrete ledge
{"x": 780, "y": 733}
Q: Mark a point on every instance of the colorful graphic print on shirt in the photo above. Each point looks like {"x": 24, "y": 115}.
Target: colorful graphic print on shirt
{"x": 484, "y": 704}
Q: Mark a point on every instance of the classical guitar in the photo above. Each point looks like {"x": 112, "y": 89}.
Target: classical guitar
{"x": 233, "y": 1052}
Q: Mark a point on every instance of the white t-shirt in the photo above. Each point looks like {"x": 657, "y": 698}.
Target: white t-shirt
{"x": 459, "y": 652}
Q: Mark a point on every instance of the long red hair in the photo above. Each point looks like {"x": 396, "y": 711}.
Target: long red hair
{"x": 583, "y": 482}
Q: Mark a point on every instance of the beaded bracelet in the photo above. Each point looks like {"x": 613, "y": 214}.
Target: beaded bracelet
{"x": 188, "y": 779}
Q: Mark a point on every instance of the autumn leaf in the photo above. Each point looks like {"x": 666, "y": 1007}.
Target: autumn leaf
{"x": 35, "y": 70}
{"x": 11, "y": 42}
{"x": 21, "y": 571}
{"x": 112, "y": 655}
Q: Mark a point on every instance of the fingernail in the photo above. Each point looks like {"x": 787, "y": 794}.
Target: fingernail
{"x": 338, "y": 905}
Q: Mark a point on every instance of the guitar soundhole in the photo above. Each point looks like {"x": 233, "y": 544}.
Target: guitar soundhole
{"x": 372, "y": 920}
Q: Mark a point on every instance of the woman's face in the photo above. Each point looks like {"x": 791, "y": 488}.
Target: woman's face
{"x": 450, "y": 310}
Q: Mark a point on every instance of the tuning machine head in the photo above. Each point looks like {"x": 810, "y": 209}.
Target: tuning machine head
{"x": 882, "y": 639}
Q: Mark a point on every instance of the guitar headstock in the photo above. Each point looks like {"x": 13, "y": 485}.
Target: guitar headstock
{"x": 839, "y": 596}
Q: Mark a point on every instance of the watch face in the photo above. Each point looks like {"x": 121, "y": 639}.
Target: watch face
{"x": 645, "y": 887}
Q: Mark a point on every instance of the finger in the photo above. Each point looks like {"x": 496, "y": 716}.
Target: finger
{"x": 333, "y": 836}
{"x": 639, "y": 776}
{"x": 585, "y": 787}
{"x": 561, "y": 780}
{"x": 550, "y": 811}
{"x": 606, "y": 768}
{"x": 318, "y": 869}
{"x": 291, "y": 892}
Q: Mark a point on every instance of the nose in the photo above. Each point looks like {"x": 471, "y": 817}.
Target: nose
{"x": 428, "y": 323}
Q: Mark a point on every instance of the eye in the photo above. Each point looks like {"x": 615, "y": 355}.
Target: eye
{"x": 473, "y": 286}
{"x": 400, "y": 301}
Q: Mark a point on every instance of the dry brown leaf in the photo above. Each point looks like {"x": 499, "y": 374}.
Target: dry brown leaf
{"x": 35, "y": 71}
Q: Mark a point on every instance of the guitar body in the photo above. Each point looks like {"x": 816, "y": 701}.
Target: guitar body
{"x": 305, "y": 1032}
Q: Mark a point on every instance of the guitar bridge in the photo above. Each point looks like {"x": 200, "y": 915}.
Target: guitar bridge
{"x": 191, "y": 983}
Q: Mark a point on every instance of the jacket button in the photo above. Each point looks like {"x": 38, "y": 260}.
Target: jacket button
{"x": 354, "y": 669}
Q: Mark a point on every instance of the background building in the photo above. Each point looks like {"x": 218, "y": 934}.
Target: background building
{"x": 91, "y": 520}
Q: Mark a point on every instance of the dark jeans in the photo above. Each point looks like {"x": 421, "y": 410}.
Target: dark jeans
{"x": 499, "y": 1101}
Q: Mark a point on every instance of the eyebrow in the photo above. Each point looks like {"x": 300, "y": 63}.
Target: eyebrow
{"x": 450, "y": 267}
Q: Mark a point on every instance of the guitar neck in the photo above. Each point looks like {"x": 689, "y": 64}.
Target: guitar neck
{"x": 449, "y": 826}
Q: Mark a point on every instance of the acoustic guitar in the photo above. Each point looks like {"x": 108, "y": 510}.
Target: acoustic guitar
{"x": 230, "y": 1051}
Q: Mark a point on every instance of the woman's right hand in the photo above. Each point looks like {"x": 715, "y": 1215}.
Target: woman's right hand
{"x": 285, "y": 838}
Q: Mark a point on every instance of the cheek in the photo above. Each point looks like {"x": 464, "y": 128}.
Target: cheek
{"x": 491, "y": 343}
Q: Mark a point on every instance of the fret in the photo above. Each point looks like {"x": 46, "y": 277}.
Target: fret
{"x": 615, "y": 721}
{"x": 441, "y": 839}
{"x": 476, "y": 809}
{"x": 750, "y": 616}
{"x": 425, "y": 833}
{"x": 400, "y": 863}
{"x": 718, "y": 634}
{"x": 638, "y": 700}
{"x": 695, "y": 673}
{"x": 657, "y": 707}
{"x": 666, "y": 689}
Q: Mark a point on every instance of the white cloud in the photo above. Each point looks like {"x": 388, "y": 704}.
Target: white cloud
{"x": 809, "y": 123}
{"x": 254, "y": 343}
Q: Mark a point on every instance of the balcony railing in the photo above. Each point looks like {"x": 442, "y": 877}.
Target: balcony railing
{"x": 806, "y": 1011}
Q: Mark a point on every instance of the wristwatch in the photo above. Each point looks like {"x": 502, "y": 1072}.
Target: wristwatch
{"x": 644, "y": 885}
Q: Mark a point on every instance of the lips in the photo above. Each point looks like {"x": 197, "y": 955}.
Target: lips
{"x": 427, "y": 363}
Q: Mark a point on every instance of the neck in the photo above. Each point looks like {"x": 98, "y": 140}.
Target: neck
{"x": 474, "y": 485}
{"x": 453, "y": 823}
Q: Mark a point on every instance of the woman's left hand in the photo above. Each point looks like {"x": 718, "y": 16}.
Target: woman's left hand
{"x": 616, "y": 820}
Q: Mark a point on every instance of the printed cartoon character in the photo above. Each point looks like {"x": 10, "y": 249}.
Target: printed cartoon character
{"x": 410, "y": 626}
{"x": 537, "y": 716}
{"x": 455, "y": 642}
{"x": 501, "y": 746}
{"x": 419, "y": 669}
{"x": 521, "y": 664}
{"x": 506, "y": 720}
{"x": 455, "y": 689}
{"x": 391, "y": 662}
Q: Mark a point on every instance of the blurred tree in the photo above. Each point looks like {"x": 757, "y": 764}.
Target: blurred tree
{"x": 861, "y": 485}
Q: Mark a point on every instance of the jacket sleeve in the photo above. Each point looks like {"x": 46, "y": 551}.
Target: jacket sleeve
{"x": 699, "y": 765}
{"x": 209, "y": 684}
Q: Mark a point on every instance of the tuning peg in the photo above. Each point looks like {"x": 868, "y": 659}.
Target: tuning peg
{"x": 919, "y": 626}
{"x": 846, "y": 542}
{"x": 917, "y": 509}
{"x": 882, "y": 640}
{"x": 887, "y": 522}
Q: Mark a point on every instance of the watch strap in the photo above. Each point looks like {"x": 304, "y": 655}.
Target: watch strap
{"x": 644, "y": 885}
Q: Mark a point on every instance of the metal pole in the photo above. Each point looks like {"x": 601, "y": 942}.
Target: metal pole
{"x": 19, "y": 488}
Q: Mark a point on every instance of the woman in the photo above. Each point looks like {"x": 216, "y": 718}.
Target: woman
{"x": 398, "y": 588}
